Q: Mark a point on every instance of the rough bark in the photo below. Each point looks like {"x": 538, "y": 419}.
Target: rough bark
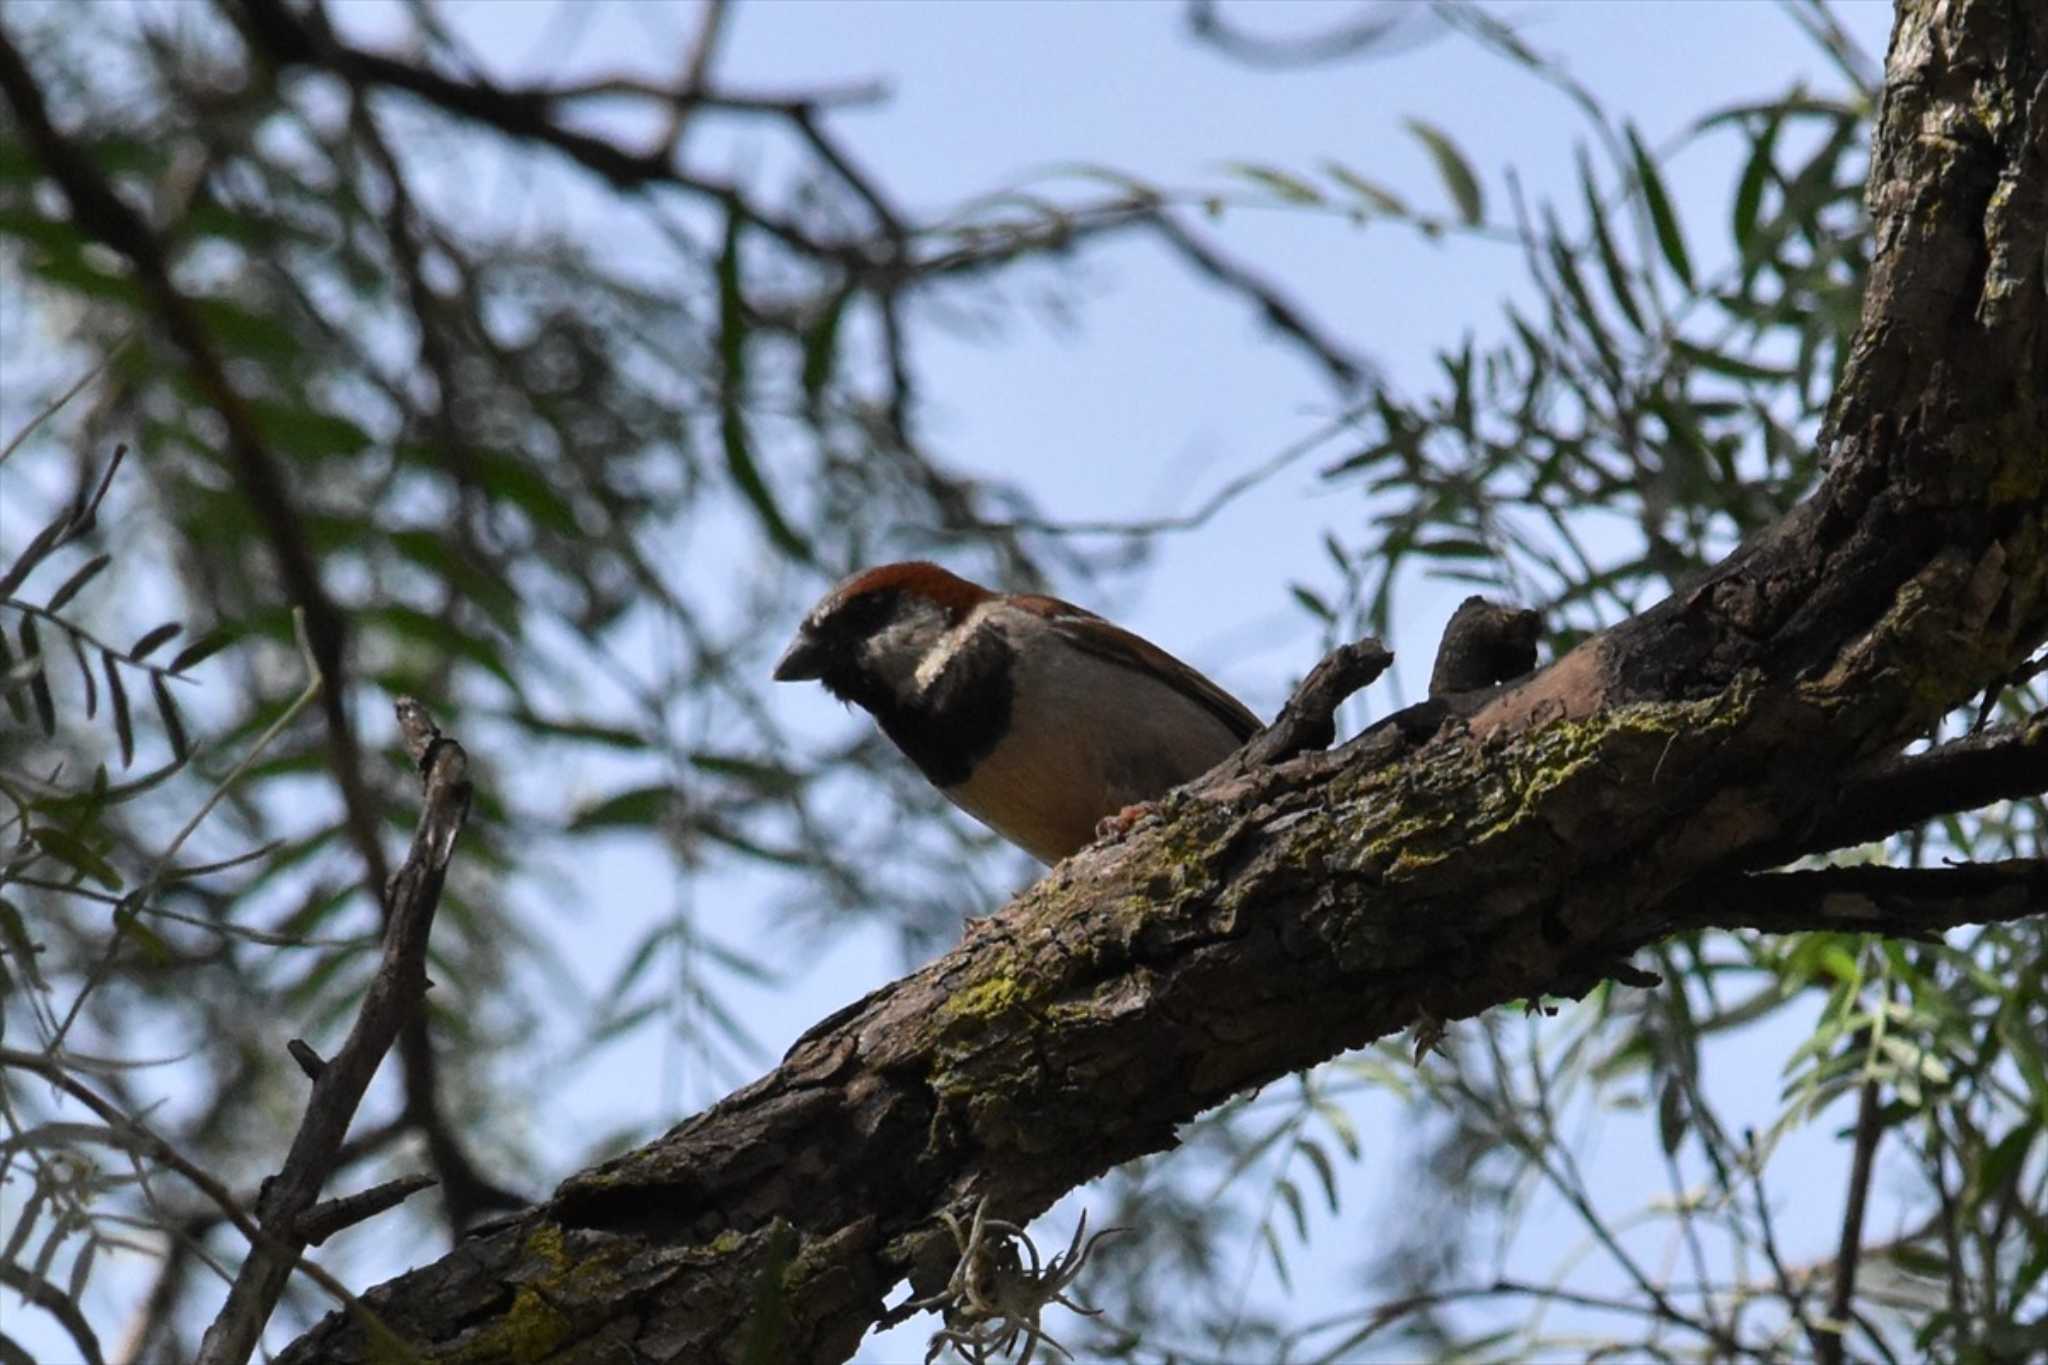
{"x": 1271, "y": 919}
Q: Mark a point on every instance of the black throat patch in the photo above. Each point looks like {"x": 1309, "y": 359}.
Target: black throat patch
{"x": 961, "y": 717}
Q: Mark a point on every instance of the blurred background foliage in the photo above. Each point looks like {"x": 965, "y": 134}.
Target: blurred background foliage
{"x": 570, "y": 487}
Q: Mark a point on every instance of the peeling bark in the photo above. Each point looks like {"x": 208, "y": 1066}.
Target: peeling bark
{"x": 1272, "y": 918}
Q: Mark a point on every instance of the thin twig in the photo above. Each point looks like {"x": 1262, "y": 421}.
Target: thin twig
{"x": 1829, "y": 1347}
{"x": 65, "y": 397}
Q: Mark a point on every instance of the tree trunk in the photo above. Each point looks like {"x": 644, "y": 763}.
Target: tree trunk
{"x": 1275, "y": 918}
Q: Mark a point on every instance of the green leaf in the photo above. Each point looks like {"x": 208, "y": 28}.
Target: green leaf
{"x": 821, "y": 347}
{"x": 1453, "y": 547}
{"x": 1919, "y": 1261}
{"x": 1749, "y": 190}
{"x": 767, "y": 777}
{"x": 1326, "y": 1173}
{"x": 1732, "y": 366}
{"x": 39, "y": 679}
{"x": 85, "y": 675}
{"x": 1610, "y": 259}
{"x": 1669, "y": 239}
{"x": 69, "y": 269}
{"x": 1562, "y": 261}
{"x": 242, "y": 332}
{"x": 1314, "y": 605}
{"x": 52, "y": 235}
{"x": 1672, "y": 1115}
{"x": 639, "y": 808}
{"x": 117, "y": 699}
{"x": 1289, "y": 187}
{"x": 85, "y": 574}
{"x": 129, "y": 925}
{"x": 513, "y": 479}
{"x": 307, "y": 433}
{"x": 15, "y": 941}
{"x": 441, "y": 638}
{"x": 588, "y": 732}
{"x": 174, "y": 724}
{"x": 203, "y": 648}
{"x": 2002, "y": 1162}
{"x": 11, "y": 686}
{"x": 1455, "y": 170}
{"x": 732, "y": 422}
{"x": 151, "y": 638}
{"x": 1379, "y": 198}
{"x": 434, "y": 552}
{"x": 74, "y": 852}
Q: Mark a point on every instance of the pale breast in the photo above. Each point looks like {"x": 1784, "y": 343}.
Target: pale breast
{"x": 1087, "y": 737}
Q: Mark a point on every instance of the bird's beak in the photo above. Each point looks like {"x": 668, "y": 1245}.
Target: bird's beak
{"x": 802, "y": 661}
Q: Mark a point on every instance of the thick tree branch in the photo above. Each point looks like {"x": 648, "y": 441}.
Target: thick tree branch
{"x": 1274, "y": 919}
{"x": 1903, "y": 902}
{"x": 1901, "y": 791}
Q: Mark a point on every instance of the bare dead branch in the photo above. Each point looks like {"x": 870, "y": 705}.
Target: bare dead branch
{"x": 1898, "y": 792}
{"x": 1904, "y": 902}
{"x": 395, "y": 993}
{"x": 330, "y": 1216}
{"x": 1308, "y": 721}
{"x": 1483, "y": 644}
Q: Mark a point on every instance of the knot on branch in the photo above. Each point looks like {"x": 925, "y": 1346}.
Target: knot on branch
{"x": 1485, "y": 643}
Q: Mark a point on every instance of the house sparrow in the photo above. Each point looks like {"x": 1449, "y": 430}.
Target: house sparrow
{"x": 1032, "y": 715}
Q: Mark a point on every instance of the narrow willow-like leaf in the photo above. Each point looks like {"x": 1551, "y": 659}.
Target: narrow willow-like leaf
{"x": 9, "y": 685}
{"x": 129, "y": 925}
{"x": 32, "y": 554}
{"x": 1662, "y": 218}
{"x": 767, "y": 777}
{"x": 1567, "y": 269}
{"x": 15, "y": 940}
{"x": 92, "y": 689}
{"x": 1733, "y": 366}
{"x": 732, "y": 424}
{"x": 642, "y": 806}
{"x": 85, "y": 574}
{"x": 117, "y": 702}
{"x": 821, "y": 347}
{"x": 1749, "y": 191}
{"x": 1382, "y": 199}
{"x": 1455, "y": 170}
{"x": 39, "y": 680}
{"x": 1288, "y": 186}
{"x": 205, "y": 647}
{"x": 1603, "y": 240}
{"x": 174, "y": 725}
{"x": 152, "y": 638}
{"x": 1312, "y": 604}
{"x": 74, "y": 852}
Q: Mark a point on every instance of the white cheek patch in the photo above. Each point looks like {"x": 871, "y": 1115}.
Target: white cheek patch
{"x": 933, "y": 666}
